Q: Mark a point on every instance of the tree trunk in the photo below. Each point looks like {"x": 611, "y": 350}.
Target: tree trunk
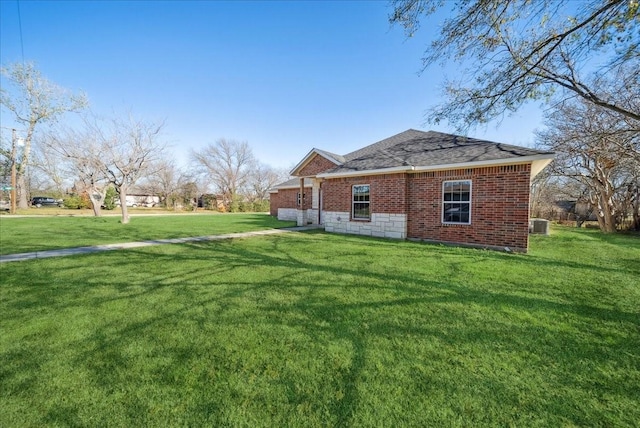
{"x": 21, "y": 189}
{"x": 96, "y": 206}
{"x": 97, "y": 198}
{"x": 606, "y": 209}
{"x": 636, "y": 211}
{"x": 606, "y": 217}
{"x": 123, "y": 206}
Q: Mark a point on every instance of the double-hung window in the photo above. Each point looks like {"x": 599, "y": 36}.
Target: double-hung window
{"x": 360, "y": 202}
{"x": 456, "y": 202}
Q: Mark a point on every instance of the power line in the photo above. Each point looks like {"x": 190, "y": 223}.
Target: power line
{"x": 20, "y": 29}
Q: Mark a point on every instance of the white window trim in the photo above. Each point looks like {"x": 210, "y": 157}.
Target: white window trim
{"x": 353, "y": 210}
{"x": 444, "y": 202}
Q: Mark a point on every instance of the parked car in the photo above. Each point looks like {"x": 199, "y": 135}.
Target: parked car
{"x": 129, "y": 203}
{"x": 42, "y": 201}
{"x": 5, "y": 205}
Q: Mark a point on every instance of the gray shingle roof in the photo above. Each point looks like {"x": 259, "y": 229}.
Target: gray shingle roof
{"x": 425, "y": 149}
{"x": 292, "y": 183}
{"x": 330, "y": 155}
{"x": 413, "y": 148}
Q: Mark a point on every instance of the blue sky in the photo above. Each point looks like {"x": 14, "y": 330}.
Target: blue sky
{"x": 284, "y": 76}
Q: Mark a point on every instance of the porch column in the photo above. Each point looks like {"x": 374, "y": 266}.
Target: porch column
{"x": 302, "y": 213}
{"x": 314, "y": 216}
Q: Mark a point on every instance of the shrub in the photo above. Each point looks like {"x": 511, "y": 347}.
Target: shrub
{"x": 260, "y": 206}
{"x": 77, "y": 202}
{"x": 110, "y": 198}
{"x": 235, "y": 205}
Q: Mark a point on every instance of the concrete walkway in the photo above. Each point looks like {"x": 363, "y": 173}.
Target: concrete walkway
{"x": 128, "y": 245}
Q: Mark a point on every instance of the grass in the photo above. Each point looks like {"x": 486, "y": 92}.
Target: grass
{"x": 315, "y": 329}
{"x": 26, "y": 234}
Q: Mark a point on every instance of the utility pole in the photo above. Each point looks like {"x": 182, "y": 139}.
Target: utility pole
{"x": 13, "y": 172}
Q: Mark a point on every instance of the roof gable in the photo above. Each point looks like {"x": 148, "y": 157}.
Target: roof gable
{"x": 333, "y": 161}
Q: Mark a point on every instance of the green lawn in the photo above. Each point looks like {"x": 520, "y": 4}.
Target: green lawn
{"x": 26, "y": 234}
{"x": 315, "y": 329}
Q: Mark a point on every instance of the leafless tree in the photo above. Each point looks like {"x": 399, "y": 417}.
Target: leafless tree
{"x": 117, "y": 152}
{"x": 541, "y": 199}
{"x": 262, "y": 178}
{"x": 33, "y": 101}
{"x": 173, "y": 185}
{"x": 514, "y": 51}
{"x": 82, "y": 158}
{"x": 228, "y": 163}
{"x": 50, "y": 163}
{"x": 163, "y": 181}
{"x": 129, "y": 149}
{"x": 596, "y": 149}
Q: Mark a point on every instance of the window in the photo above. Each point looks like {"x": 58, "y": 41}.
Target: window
{"x": 456, "y": 202}
{"x": 360, "y": 202}
{"x": 304, "y": 197}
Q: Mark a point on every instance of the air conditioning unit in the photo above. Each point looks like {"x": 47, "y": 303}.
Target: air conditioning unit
{"x": 539, "y": 226}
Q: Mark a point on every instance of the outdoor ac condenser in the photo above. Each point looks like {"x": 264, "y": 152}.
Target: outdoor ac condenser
{"x": 540, "y": 226}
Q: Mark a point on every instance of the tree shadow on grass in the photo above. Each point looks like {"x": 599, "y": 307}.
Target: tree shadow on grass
{"x": 291, "y": 286}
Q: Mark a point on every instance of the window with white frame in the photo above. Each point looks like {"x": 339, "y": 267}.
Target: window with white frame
{"x": 360, "y": 202}
{"x": 304, "y": 198}
{"x": 456, "y": 202}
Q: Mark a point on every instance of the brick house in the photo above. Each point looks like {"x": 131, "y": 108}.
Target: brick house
{"x": 417, "y": 185}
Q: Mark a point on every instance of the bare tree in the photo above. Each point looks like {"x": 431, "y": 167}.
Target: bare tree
{"x": 5, "y": 161}
{"x": 33, "y": 101}
{"x": 262, "y": 178}
{"x": 540, "y": 197}
{"x": 130, "y": 149}
{"x": 50, "y": 163}
{"x": 228, "y": 163}
{"x": 168, "y": 182}
{"x": 514, "y": 51}
{"x": 594, "y": 148}
{"x": 117, "y": 152}
{"x": 82, "y": 160}
{"x": 163, "y": 181}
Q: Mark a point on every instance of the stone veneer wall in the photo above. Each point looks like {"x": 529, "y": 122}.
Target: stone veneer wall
{"x": 380, "y": 225}
{"x": 291, "y": 214}
{"x": 287, "y": 214}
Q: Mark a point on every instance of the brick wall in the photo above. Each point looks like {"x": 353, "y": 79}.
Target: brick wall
{"x": 274, "y": 203}
{"x": 316, "y": 165}
{"x": 499, "y": 204}
{"x": 387, "y": 193}
{"x": 288, "y": 198}
{"x": 499, "y": 207}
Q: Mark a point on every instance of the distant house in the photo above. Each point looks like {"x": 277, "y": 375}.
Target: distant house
{"x": 564, "y": 210}
{"x": 417, "y": 185}
{"x": 141, "y": 200}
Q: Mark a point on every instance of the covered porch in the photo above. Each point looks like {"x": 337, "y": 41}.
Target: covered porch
{"x": 309, "y": 212}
